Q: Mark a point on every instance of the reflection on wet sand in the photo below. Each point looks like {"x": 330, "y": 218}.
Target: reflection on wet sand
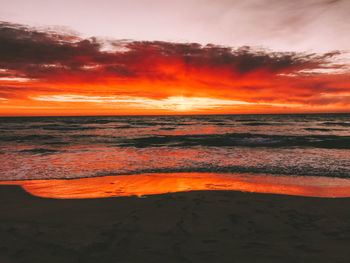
{"x": 158, "y": 183}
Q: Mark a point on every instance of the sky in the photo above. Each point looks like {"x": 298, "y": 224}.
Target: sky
{"x": 173, "y": 57}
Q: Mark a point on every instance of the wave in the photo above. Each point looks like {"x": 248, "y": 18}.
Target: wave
{"x": 343, "y": 124}
{"x": 188, "y": 140}
{"x": 55, "y": 127}
{"x": 246, "y": 120}
{"x": 29, "y": 138}
{"x": 317, "y": 129}
{"x": 41, "y": 151}
{"x": 241, "y": 139}
{"x": 273, "y": 170}
{"x": 235, "y": 169}
{"x": 257, "y": 123}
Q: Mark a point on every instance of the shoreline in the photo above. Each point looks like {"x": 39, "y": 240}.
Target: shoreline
{"x": 160, "y": 183}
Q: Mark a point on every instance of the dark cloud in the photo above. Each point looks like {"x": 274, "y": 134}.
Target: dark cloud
{"x": 319, "y": 100}
{"x": 332, "y": 2}
{"x": 21, "y": 92}
{"x": 29, "y": 52}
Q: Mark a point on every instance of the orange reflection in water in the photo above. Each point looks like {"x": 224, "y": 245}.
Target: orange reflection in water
{"x": 158, "y": 183}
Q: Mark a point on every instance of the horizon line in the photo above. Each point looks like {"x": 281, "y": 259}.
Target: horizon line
{"x": 131, "y": 115}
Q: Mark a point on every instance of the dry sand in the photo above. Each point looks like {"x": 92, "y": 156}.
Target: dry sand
{"x": 198, "y": 226}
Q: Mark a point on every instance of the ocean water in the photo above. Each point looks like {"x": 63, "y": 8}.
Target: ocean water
{"x": 78, "y": 147}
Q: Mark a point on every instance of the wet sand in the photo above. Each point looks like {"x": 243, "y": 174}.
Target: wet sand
{"x": 196, "y": 226}
{"x": 160, "y": 183}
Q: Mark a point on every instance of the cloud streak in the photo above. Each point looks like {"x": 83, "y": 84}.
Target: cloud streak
{"x": 47, "y": 64}
{"x": 39, "y": 54}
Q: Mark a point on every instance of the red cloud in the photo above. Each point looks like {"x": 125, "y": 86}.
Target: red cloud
{"x": 35, "y": 63}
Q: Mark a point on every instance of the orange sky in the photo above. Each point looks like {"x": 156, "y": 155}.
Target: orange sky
{"x": 50, "y": 73}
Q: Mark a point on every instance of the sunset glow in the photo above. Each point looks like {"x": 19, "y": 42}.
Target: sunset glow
{"x": 196, "y": 130}
{"x": 149, "y": 184}
{"x": 44, "y": 72}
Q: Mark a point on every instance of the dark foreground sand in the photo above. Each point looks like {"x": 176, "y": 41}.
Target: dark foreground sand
{"x": 201, "y": 226}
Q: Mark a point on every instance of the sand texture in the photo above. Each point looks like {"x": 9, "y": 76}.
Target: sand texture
{"x": 198, "y": 226}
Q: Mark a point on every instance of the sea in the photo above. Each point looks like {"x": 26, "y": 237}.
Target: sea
{"x": 94, "y": 146}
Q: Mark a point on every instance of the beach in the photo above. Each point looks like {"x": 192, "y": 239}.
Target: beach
{"x": 196, "y": 188}
{"x": 195, "y": 226}
{"x": 175, "y": 131}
